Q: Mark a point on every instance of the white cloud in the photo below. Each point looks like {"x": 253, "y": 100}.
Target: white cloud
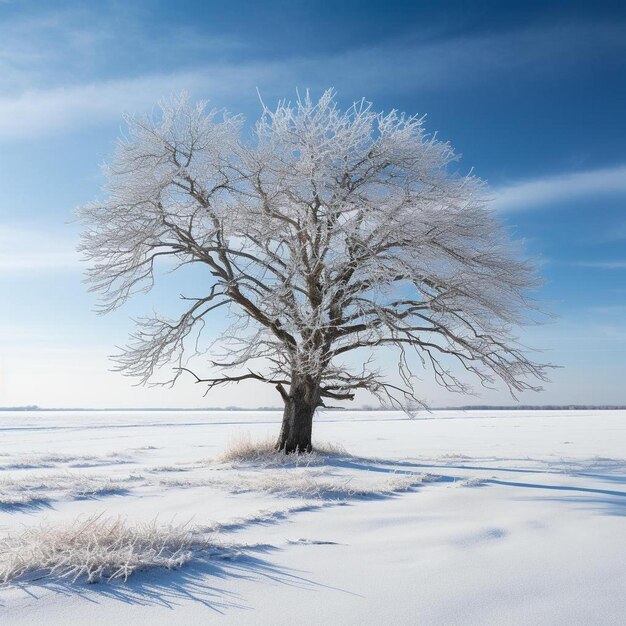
{"x": 538, "y": 192}
{"x": 25, "y": 248}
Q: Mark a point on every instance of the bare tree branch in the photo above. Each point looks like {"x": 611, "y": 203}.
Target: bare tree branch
{"x": 332, "y": 233}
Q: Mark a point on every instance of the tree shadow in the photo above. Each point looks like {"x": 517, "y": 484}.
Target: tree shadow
{"x": 603, "y": 492}
{"x": 377, "y": 464}
{"x": 610, "y": 470}
{"x": 609, "y": 505}
{"x": 607, "y": 501}
{"x": 607, "y": 477}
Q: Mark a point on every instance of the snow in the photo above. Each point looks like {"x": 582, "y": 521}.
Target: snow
{"x": 457, "y": 517}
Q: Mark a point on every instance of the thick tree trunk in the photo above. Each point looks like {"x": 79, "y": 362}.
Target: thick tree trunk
{"x": 300, "y": 405}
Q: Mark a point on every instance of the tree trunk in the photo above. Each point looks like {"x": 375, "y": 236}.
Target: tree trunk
{"x": 300, "y": 405}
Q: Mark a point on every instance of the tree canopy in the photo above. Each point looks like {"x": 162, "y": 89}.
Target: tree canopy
{"x": 326, "y": 236}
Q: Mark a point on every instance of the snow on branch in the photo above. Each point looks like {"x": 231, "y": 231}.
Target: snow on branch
{"x": 331, "y": 232}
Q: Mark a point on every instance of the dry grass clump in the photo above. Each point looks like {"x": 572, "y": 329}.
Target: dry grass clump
{"x": 326, "y": 473}
{"x": 96, "y": 549}
{"x": 21, "y": 499}
{"x": 33, "y": 460}
{"x": 303, "y": 483}
{"x": 34, "y": 489}
{"x": 318, "y": 486}
{"x": 245, "y": 450}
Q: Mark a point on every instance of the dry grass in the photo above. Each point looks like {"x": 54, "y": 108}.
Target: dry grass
{"x": 96, "y": 549}
{"x": 39, "y": 460}
{"x": 317, "y": 475}
{"x": 302, "y": 483}
{"x": 32, "y": 489}
{"x": 245, "y": 450}
{"x": 265, "y": 517}
{"x": 308, "y": 484}
{"x": 19, "y": 499}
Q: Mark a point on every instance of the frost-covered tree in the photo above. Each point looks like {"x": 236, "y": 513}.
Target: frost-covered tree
{"x": 327, "y": 236}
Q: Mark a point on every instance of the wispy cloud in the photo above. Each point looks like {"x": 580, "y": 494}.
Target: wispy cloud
{"x": 39, "y": 112}
{"x": 27, "y": 249}
{"x": 612, "y": 310}
{"x": 539, "y": 192}
{"x": 44, "y": 49}
{"x": 61, "y": 81}
{"x": 602, "y": 265}
{"x": 452, "y": 62}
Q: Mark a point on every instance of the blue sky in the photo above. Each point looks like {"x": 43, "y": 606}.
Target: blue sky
{"x": 533, "y": 94}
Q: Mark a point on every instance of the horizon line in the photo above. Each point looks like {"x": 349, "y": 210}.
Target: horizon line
{"x": 467, "y": 407}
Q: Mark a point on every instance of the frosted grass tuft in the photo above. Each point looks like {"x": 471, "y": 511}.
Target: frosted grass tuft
{"x": 244, "y": 450}
{"x": 96, "y": 549}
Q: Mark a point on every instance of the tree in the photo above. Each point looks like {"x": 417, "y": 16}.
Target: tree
{"x": 328, "y": 236}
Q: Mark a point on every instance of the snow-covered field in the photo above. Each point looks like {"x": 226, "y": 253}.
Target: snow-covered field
{"x": 453, "y": 518}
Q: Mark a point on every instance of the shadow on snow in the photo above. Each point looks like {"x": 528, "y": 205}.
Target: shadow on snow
{"x": 197, "y": 581}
